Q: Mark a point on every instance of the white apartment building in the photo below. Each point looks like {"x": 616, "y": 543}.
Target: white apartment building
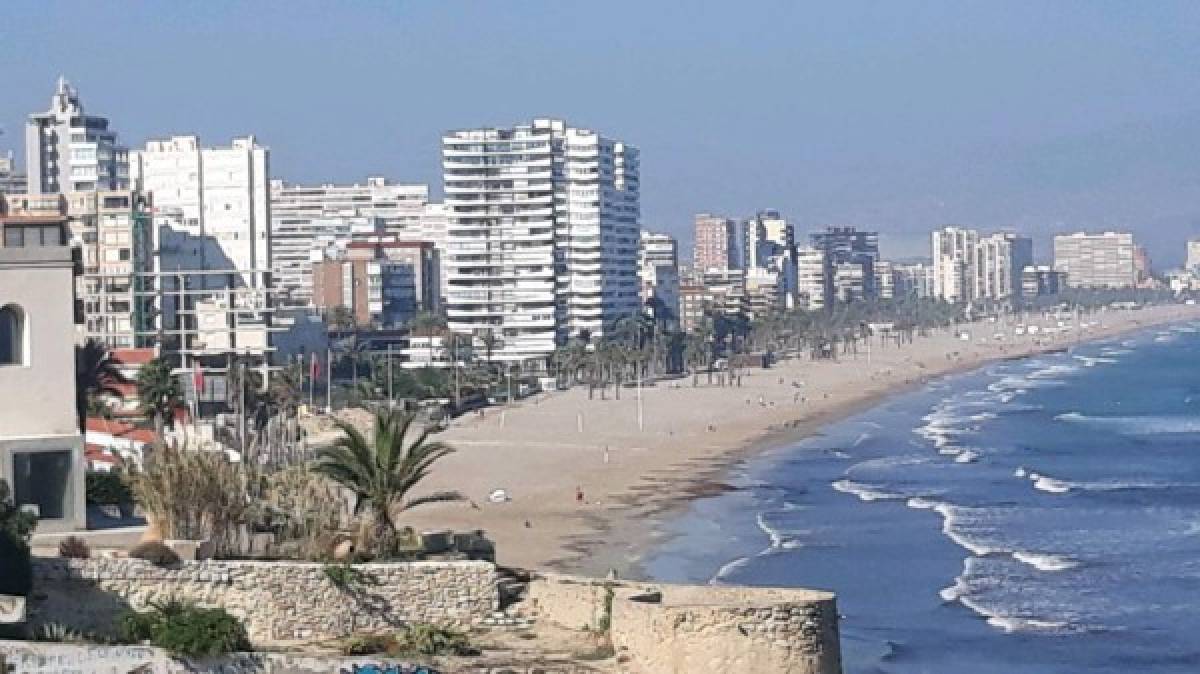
{"x": 220, "y": 197}
{"x": 658, "y": 258}
{"x": 810, "y": 278}
{"x": 542, "y": 238}
{"x": 915, "y": 280}
{"x": 304, "y": 218}
{"x": 1096, "y": 260}
{"x": 1193, "y": 254}
{"x": 993, "y": 267}
{"x": 885, "y": 280}
{"x": 954, "y": 250}
{"x": 67, "y": 150}
{"x": 11, "y": 182}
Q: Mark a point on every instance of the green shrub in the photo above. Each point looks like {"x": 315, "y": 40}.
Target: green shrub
{"x": 426, "y": 639}
{"x": 107, "y": 489}
{"x": 186, "y": 629}
{"x": 74, "y": 547}
{"x": 155, "y": 552}
{"x": 367, "y": 644}
{"x": 346, "y": 577}
{"x": 14, "y": 521}
{"x": 16, "y": 573}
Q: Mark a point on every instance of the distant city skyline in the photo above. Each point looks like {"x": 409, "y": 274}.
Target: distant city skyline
{"x": 900, "y": 118}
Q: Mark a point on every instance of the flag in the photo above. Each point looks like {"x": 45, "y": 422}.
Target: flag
{"x": 197, "y": 377}
{"x": 315, "y": 370}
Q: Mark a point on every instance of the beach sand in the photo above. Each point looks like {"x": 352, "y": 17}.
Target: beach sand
{"x": 542, "y": 449}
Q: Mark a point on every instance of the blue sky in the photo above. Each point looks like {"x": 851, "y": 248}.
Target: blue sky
{"x": 897, "y": 115}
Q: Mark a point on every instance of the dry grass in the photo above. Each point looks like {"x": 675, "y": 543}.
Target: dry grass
{"x": 194, "y": 494}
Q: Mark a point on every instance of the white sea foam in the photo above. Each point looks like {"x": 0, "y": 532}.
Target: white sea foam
{"x": 1017, "y": 624}
{"x": 1092, "y": 361}
{"x": 967, "y": 456}
{"x": 779, "y": 541}
{"x": 1045, "y": 562}
{"x": 950, "y": 450}
{"x": 1019, "y": 472}
{"x": 863, "y": 491}
{"x": 726, "y": 569}
{"x": 1051, "y": 485}
{"x": 921, "y": 503}
{"x": 1136, "y": 425}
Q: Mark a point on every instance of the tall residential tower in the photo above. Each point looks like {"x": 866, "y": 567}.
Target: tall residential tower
{"x": 542, "y": 234}
{"x": 67, "y": 150}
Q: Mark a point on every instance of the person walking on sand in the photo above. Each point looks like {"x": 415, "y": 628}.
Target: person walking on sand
{"x": 579, "y": 495}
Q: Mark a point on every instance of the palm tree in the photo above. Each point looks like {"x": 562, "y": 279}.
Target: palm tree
{"x": 96, "y": 371}
{"x": 159, "y": 393}
{"x": 382, "y": 470}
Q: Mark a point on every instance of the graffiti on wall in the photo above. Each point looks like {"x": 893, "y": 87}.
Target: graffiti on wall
{"x": 388, "y": 669}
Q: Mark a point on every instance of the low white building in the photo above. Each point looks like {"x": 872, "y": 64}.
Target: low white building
{"x": 41, "y": 449}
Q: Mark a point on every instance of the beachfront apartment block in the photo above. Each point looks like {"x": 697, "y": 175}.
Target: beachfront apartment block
{"x": 220, "y": 195}
{"x": 913, "y": 280}
{"x": 11, "y": 181}
{"x": 1193, "y": 255}
{"x": 717, "y": 242}
{"x": 1105, "y": 260}
{"x": 67, "y": 150}
{"x": 658, "y": 261}
{"x": 954, "y": 263}
{"x": 542, "y": 234}
{"x": 849, "y": 256}
{"x": 993, "y": 267}
{"x": 383, "y": 281}
{"x": 41, "y": 449}
{"x": 304, "y": 217}
{"x": 810, "y": 278}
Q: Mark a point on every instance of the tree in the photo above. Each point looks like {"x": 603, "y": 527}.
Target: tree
{"x": 96, "y": 372}
{"x": 340, "y": 318}
{"x": 382, "y": 470}
{"x": 159, "y": 393}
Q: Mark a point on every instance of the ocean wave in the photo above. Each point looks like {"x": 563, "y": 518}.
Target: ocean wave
{"x": 1052, "y": 371}
{"x": 1018, "y": 624}
{"x": 779, "y": 541}
{"x": 726, "y": 569}
{"x": 1045, "y": 562}
{"x": 967, "y": 456}
{"x": 887, "y": 462}
{"x": 1051, "y": 485}
{"x": 1136, "y": 425}
{"x": 1092, "y": 361}
{"x": 1110, "y": 351}
{"x": 967, "y": 589}
{"x": 1019, "y": 472}
{"x": 864, "y": 492}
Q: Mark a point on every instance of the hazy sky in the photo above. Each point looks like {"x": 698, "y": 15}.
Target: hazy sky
{"x": 900, "y": 115}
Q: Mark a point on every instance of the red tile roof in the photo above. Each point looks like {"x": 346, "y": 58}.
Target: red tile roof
{"x": 120, "y": 429}
{"x": 133, "y": 356}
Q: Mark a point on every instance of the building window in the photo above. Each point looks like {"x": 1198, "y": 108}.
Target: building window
{"x": 12, "y": 335}
{"x": 42, "y": 483}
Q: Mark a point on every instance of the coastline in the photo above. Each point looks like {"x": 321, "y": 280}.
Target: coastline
{"x": 635, "y": 479}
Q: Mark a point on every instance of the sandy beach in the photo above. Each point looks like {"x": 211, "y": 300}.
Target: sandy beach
{"x": 543, "y": 449}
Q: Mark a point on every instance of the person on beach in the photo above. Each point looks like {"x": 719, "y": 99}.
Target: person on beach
{"x": 579, "y": 495}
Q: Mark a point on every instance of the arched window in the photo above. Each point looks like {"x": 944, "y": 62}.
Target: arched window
{"x": 12, "y": 335}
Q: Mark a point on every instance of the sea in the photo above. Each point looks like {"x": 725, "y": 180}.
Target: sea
{"x": 1036, "y": 515}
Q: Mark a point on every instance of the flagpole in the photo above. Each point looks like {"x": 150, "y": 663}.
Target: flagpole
{"x": 311, "y": 383}
{"x": 329, "y": 381}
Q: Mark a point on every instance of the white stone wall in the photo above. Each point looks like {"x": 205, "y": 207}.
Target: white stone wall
{"x": 279, "y": 602}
